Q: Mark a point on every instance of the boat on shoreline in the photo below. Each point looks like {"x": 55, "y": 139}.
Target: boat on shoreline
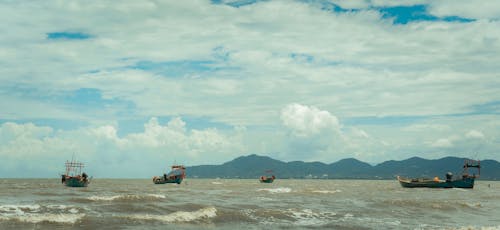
{"x": 74, "y": 177}
{"x": 176, "y": 175}
{"x": 465, "y": 181}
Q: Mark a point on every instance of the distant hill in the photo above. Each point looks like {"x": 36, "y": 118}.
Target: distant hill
{"x": 254, "y": 166}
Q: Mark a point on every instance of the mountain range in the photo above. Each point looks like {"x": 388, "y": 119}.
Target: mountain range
{"x": 254, "y": 166}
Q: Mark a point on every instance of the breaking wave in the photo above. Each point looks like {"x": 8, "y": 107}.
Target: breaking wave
{"x": 478, "y": 228}
{"x": 180, "y": 216}
{"x": 37, "y": 213}
{"x": 276, "y": 190}
{"x": 326, "y": 191}
{"x": 127, "y": 197}
{"x": 301, "y": 217}
{"x": 53, "y": 218}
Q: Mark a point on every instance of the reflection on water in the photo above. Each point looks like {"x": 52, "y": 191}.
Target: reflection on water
{"x": 230, "y": 204}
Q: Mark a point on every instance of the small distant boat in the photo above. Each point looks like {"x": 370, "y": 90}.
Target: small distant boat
{"x": 267, "y": 179}
{"x": 73, "y": 177}
{"x": 176, "y": 175}
{"x": 466, "y": 181}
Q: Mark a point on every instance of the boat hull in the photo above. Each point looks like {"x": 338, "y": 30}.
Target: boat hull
{"x": 423, "y": 183}
{"x": 159, "y": 180}
{"x": 267, "y": 180}
{"x": 76, "y": 182}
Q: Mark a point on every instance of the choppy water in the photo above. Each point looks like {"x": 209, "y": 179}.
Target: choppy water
{"x": 245, "y": 204}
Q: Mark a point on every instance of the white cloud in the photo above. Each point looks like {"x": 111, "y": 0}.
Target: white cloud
{"x": 479, "y": 9}
{"x": 399, "y": 3}
{"x": 352, "y": 4}
{"x": 264, "y": 56}
{"x": 443, "y": 143}
{"x": 305, "y": 121}
{"x": 427, "y": 127}
{"x": 133, "y": 155}
{"x": 474, "y": 134}
{"x": 266, "y": 75}
{"x": 360, "y": 133}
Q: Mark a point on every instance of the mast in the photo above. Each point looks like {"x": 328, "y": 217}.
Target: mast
{"x": 472, "y": 164}
{"x": 73, "y": 168}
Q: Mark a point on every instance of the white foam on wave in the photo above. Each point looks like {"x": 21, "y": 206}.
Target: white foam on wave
{"x": 299, "y": 217}
{"x": 19, "y": 209}
{"x": 348, "y": 215}
{"x": 46, "y": 217}
{"x": 57, "y": 206}
{"x": 276, "y": 190}
{"x": 216, "y": 182}
{"x": 104, "y": 198}
{"x": 13, "y": 209}
{"x": 264, "y": 198}
{"x": 126, "y": 197}
{"x": 36, "y": 213}
{"x": 180, "y": 216}
{"x": 327, "y": 191}
{"x": 307, "y": 217}
{"x": 478, "y": 228}
{"x": 159, "y": 196}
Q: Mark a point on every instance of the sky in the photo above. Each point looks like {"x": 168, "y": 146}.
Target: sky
{"x": 131, "y": 87}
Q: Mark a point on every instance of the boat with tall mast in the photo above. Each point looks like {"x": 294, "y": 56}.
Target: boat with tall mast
{"x": 74, "y": 177}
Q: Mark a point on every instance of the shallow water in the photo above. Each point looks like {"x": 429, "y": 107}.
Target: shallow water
{"x": 245, "y": 204}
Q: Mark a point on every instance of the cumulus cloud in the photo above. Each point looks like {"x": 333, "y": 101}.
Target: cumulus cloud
{"x": 101, "y": 148}
{"x": 305, "y": 121}
{"x": 360, "y": 65}
{"x": 311, "y": 131}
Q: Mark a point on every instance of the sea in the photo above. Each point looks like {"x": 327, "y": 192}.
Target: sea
{"x": 245, "y": 204}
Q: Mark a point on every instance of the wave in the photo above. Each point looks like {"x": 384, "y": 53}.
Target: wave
{"x": 180, "y": 216}
{"x": 276, "y": 190}
{"x": 37, "y": 218}
{"x": 300, "y": 217}
{"x": 216, "y": 182}
{"x": 127, "y": 197}
{"x": 35, "y": 213}
{"x": 307, "y": 217}
{"x": 434, "y": 204}
{"x": 12, "y": 209}
{"x": 326, "y": 191}
{"x": 478, "y": 228}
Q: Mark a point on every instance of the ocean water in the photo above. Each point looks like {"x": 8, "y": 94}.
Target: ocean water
{"x": 245, "y": 204}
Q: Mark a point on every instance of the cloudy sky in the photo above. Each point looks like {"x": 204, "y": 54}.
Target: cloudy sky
{"x": 130, "y": 87}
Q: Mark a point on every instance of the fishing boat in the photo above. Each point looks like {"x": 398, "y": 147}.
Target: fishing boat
{"x": 74, "y": 177}
{"x": 176, "y": 175}
{"x": 268, "y": 178}
{"x": 465, "y": 181}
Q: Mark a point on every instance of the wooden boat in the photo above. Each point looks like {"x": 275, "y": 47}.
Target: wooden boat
{"x": 176, "y": 175}
{"x": 267, "y": 179}
{"x": 465, "y": 181}
{"x": 73, "y": 177}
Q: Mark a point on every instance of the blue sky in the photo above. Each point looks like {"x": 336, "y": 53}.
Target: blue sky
{"x": 134, "y": 87}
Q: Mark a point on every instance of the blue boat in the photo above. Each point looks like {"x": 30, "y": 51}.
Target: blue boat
{"x": 465, "y": 181}
{"x": 176, "y": 175}
{"x": 74, "y": 177}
